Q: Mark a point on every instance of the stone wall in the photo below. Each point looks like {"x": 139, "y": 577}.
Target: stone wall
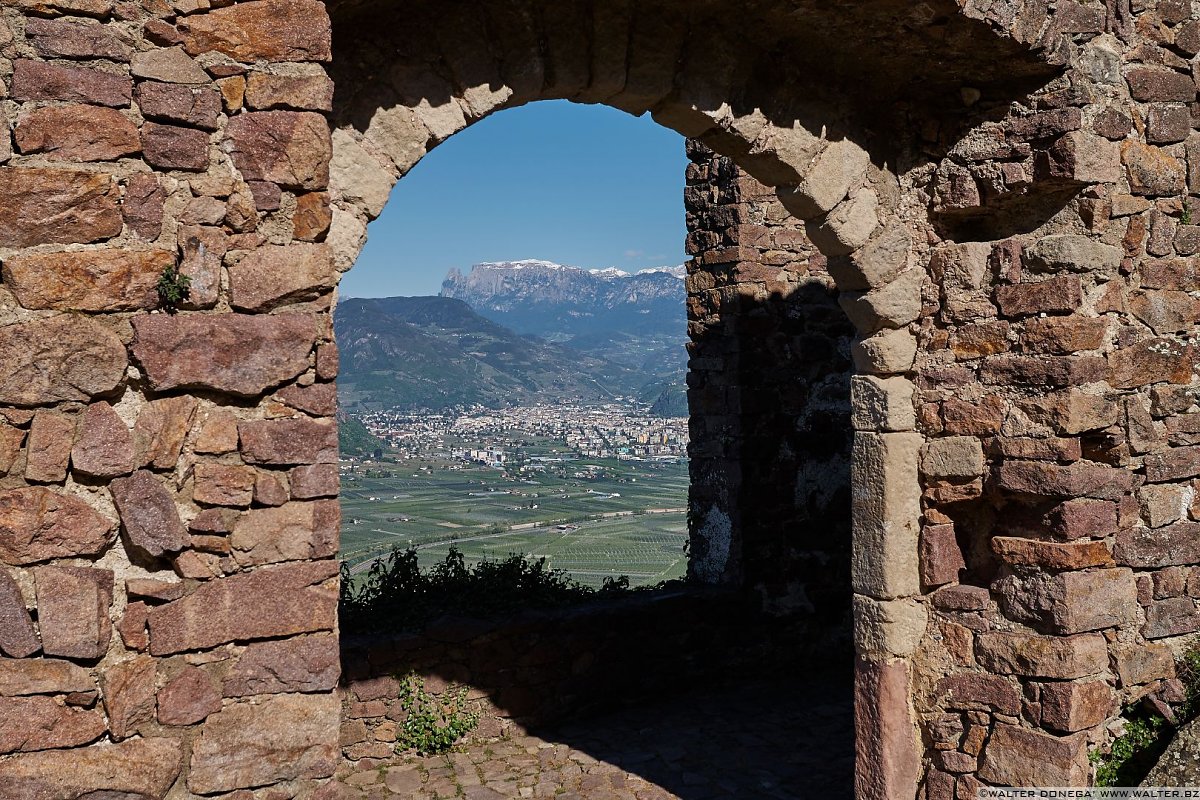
{"x": 769, "y": 383}
{"x": 1001, "y": 195}
{"x": 544, "y": 668}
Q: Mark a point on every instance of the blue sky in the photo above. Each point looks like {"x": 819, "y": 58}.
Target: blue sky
{"x": 583, "y": 185}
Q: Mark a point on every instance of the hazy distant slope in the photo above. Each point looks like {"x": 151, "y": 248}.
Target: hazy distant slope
{"x": 434, "y": 352}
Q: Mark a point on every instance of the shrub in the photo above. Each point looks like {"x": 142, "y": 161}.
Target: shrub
{"x": 397, "y": 596}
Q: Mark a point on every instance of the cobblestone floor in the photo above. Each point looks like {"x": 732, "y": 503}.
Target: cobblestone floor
{"x": 756, "y": 741}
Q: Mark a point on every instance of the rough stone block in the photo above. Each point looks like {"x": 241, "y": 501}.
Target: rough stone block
{"x": 882, "y": 404}
{"x": 1052, "y": 555}
{"x": 235, "y": 353}
{"x": 301, "y": 664}
{"x": 970, "y": 691}
{"x": 888, "y": 628}
{"x": 73, "y": 605}
{"x": 292, "y": 532}
{"x": 885, "y": 353}
{"x": 1020, "y": 757}
{"x": 141, "y": 768}
{"x": 129, "y": 695}
{"x": 290, "y": 148}
{"x": 37, "y": 524}
{"x": 190, "y": 696}
{"x": 953, "y": 457}
{"x": 77, "y": 132}
{"x": 148, "y": 514}
{"x": 941, "y": 557}
{"x": 41, "y": 723}
{"x": 87, "y": 280}
{"x": 1146, "y": 548}
{"x": 168, "y": 65}
{"x": 268, "y": 30}
{"x": 874, "y": 264}
{"x": 37, "y": 80}
{"x": 104, "y": 445}
{"x": 1059, "y": 657}
{"x": 281, "y": 737}
{"x": 186, "y": 105}
{"x": 1070, "y": 707}
{"x": 311, "y": 482}
{"x": 174, "y": 147}
{"x": 1070, "y": 602}
{"x": 287, "y": 442}
{"x": 1152, "y": 172}
{"x": 224, "y": 484}
{"x": 17, "y": 636}
{"x": 887, "y": 511}
{"x": 1174, "y": 616}
{"x": 828, "y": 179}
{"x": 51, "y": 437}
{"x": 273, "y": 276}
{"x": 1063, "y": 293}
{"x": 887, "y": 755}
{"x": 1139, "y": 664}
{"x": 268, "y": 603}
{"x": 57, "y": 206}
{"x": 160, "y": 429}
{"x": 893, "y": 305}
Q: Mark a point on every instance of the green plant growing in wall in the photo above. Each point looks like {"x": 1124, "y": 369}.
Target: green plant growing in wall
{"x": 1147, "y": 735}
{"x": 1186, "y": 217}
{"x": 173, "y": 288}
{"x": 432, "y": 724}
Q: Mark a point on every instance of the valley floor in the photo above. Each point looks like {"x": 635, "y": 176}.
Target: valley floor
{"x": 778, "y": 739}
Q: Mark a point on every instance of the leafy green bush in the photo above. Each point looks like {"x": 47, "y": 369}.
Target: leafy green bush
{"x": 397, "y": 596}
{"x": 1147, "y": 735}
{"x": 432, "y": 725}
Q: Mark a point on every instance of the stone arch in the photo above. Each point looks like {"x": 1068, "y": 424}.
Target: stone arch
{"x": 419, "y": 76}
{"x": 1033, "y": 300}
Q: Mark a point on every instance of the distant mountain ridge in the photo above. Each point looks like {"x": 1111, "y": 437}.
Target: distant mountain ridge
{"x": 436, "y": 352}
{"x": 561, "y": 302}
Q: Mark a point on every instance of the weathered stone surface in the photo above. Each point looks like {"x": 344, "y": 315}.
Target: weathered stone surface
{"x": 314, "y": 215}
{"x": 104, "y": 445}
{"x": 129, "y": 695}
{"x": 37, "y": 80}
{"x": 328, "y": 361}
{"x": 289, "y": 148}
{"x": 941, "y": 557}
{"x": 235, "y": 353}
{"x": 1158, "y": 547}
{"x": 189, "y": 697}
{"x": 300, "y": 92}
{"x": 56, "y": 359}
{"x": 37, "y": 524}
{"x": 881, "y": 404}
{"x": 269, "y": 490}
{"x": 1151, "y": 361}
{"x": 1158, "y": 84}
{"x": 267, "y": 603}
{"x": 288, "y": 442}
{"x": 887, "y": 758}
{"x": 1180, "y": 764}
{"x": 359, "y": 176}
{"x": 1020, "y": 757}
{"x": 174, "y": 147}
{"x": 888, "y": 628}
{"x": 168, "y": 64}
{"x": 970, "y": 691}
{"x": 1062, "y": 657}
{"x": 189, "y": 105}
{"x": 218, "y": 433}
{"x": 142, "y": 769}
{"x": 316, "y": 480}
{"x": 884, "y": 353}
{"x": 887, "y": 501}
{"x": 1070, "y": 707}
{"x": 1138, "y": 664}
{"x": 1175, "y": 464}
{"x": 148, "y": 514}
{"x": 11, "y": 440}
{"x": 22, "y": 677}
{"x": 280, "y": 738}
{"x": 56, "y": 38}
{"x": 299, "y": 664}
{"x": 318, "y": 399}
{"x": 224, "y": 484}
{"x": 203, "y": 249}
{"x": 1174, "y": 616}
{"x": 1070, "y": 602}
{"x": 17, "y": 636}
{"x": 1072, "y": 480}
{"x": 277, "y": 275}
{"x": 56, "y": 206}
{"x": 41, "y": 723}
{"x": 1064, "y": 335}
{"x": 1072, "y": 253}
{"x": 270, "y": 30}
{"x": 73, "y": 605}
{"x": 51, "y": 437}
{"x": 160, "y": 429}
{"x": 954, "y": 457}
{"x": 77, "y": 132}
{"x": 892, "y": 305}
{"x": 1152, "y": 172}
{"x": 291, "y": 532}
{"x": 1063, "y": 293}
{"x": 1052, "y": 555}
{"x": 143, "y": 206}
{"x": 828, "y": 179}
{"x": 87, "y": 280}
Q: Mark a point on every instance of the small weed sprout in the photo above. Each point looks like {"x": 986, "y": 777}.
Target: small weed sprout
{"x": 173, "y": 288}
{"x": 432, "y": 725}
{"x": 1186, "y": 217}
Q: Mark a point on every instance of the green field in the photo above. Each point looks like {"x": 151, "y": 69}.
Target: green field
{"x": 591, "y": 517}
